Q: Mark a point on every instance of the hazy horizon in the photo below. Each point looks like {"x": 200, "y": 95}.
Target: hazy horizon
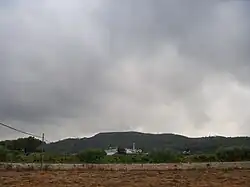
{"x": 92, "y": 135}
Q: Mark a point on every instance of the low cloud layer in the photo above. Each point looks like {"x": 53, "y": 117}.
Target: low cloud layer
{"x": 71, "y": 69}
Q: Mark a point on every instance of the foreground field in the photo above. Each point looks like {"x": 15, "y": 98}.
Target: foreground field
{"x": 84, "y": 178}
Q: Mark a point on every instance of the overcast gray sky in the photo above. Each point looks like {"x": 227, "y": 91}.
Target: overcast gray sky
{"x": 75, "y": 68}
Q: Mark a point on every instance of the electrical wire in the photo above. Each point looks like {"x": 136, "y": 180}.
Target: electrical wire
{"x": 23, "y": 132}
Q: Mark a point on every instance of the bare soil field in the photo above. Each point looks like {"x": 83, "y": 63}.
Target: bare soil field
{"x": 93, "y": 178}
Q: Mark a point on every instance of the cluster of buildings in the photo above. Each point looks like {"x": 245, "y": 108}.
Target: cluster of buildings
{"x": 114, "y": 150}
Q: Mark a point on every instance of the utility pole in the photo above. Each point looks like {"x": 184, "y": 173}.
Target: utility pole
{"x": 42, "y": 151}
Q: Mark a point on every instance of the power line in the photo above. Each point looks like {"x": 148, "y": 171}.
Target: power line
{"x": 30, "y": 134}
{"x": 23, "y": 132}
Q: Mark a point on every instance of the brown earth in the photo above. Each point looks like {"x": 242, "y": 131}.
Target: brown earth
{"x": 92, "y": 178}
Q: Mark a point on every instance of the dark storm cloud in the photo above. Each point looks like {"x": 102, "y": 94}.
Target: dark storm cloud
{"x": 156, "y": 66}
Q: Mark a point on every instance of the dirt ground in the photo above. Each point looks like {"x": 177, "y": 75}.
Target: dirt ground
{"x": 181, "y": 178}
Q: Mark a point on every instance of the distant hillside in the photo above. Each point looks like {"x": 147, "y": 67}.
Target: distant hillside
{"x": 147, "y": 142}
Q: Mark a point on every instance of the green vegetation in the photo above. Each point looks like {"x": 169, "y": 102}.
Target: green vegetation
{"x": 28, "y": 145}
{"x": 28, "y": 150}
{"x": 232, "y": 154}
{"x": 99, "y": 156}
{"x": 91, "y": 156}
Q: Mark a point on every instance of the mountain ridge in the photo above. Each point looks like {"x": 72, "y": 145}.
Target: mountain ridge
{"x": 146, "y": 141}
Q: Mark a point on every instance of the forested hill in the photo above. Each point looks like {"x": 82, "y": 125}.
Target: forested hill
{"x": 147, "y": 142}
{"x": 29, "y": 144}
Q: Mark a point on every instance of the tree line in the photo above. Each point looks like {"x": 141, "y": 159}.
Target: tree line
{"x": 229, "y": 154}
{"x": 29, "y": 150}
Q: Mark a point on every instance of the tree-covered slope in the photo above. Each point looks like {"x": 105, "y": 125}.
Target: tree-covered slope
{"x": 147, "y": 142}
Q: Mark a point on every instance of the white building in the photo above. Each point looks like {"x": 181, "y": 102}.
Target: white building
{"x": 111, "y": 150}
{"x": 133, "y": 150}
{"x": 114, "y": 150}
